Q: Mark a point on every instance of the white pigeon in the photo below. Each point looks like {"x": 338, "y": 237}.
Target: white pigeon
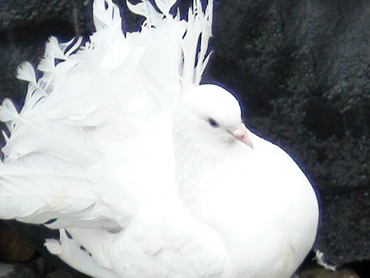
{"x": 145, "y": 172}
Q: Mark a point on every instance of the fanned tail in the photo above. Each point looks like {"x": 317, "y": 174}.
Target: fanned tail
{"x": 61, "y": 166}
{"x": 92, "y": 145}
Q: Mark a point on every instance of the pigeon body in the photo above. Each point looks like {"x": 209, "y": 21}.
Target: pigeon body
{"x": 145, "y": 172}
{"x": 255, "y": 196}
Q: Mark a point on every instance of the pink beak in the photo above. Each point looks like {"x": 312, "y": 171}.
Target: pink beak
{"x": 241, "y": 133}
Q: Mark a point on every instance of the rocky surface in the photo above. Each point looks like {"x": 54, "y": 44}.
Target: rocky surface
{"x": 15, "y": 271}
{"x": 301, "y": 69}
{"x": 13, "y": 247}
{"x": 317, "y": 272}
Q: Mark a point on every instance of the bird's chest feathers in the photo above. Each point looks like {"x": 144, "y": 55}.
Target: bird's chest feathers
{"x": 205, "y": 174}
{"x": 233, "y": 189}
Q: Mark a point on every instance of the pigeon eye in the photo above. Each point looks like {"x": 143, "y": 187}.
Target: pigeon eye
{"x": 213, "y": 123}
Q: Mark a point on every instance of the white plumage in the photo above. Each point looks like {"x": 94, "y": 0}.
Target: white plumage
{"x": 119, "y": 147}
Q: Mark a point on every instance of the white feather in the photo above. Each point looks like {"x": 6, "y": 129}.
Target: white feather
{"x": 106, "y": 16}
{"x": 27, "y": 73}
{"x": 8, "y": 114}
{"x": 145, "y": 9}
{"x": 72, "y": 254}
{"x": 165, "y": 6}
{"x": 52, "y": 52}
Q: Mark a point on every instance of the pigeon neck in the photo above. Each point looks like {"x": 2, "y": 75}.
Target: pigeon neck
{"x": 197, "y": 162}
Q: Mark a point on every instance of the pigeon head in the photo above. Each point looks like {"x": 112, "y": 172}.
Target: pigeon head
{"x": 212, "y": 113}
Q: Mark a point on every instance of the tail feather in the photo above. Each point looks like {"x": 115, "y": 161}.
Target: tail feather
{"x": 165, "y": 6}
{"x": 52, "y": 51}
{"x": 75, "y": 255}
{"x": 8, "y": 114}
{"x": 27, "y": 73}
{"x": 106, "y": 15}
{"x": 146, "y": 9}
{"x": 196, "y": 59}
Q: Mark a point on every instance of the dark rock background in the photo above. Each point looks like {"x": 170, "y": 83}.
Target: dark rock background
{"x": 301, "y": 69}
